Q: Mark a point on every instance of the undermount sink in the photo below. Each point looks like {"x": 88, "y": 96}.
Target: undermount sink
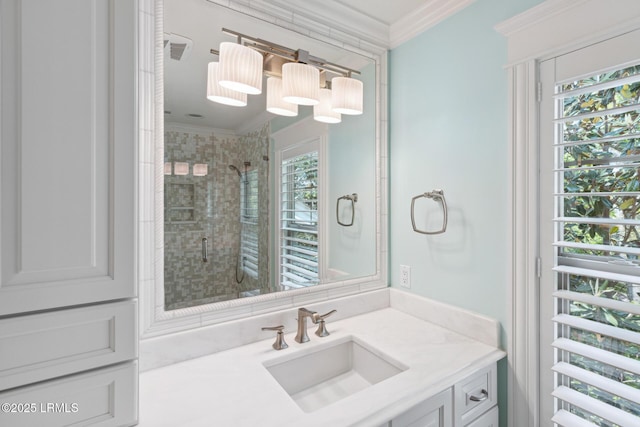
{"x": 328, "y": 373}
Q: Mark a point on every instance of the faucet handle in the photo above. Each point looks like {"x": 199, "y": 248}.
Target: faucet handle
{"x": 322, "y": 316}
{"x": 279, "y": 344}
{"x": 322, "y": 328}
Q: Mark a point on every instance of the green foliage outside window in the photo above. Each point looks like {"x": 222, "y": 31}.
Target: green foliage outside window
{"x": 608, "y": 165}
{"x": 302, "y": 218}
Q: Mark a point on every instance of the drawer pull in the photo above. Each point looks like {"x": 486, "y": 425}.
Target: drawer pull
{"x": 483, "y": 392}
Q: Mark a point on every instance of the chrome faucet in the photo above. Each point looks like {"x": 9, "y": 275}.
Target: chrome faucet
{"x": 303, "y": 313}
{"x": 316, "y": 318}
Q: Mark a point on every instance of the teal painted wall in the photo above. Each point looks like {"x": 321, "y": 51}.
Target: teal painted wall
{"x": 352, "y": 169}
{"x": 448, "y": 130}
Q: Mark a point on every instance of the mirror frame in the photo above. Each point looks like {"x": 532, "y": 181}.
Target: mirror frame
{"x": 154, "y": 320}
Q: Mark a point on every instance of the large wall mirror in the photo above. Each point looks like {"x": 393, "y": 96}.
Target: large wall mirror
{"x": 259, "y": 208}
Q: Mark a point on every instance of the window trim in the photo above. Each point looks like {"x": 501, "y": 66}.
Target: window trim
{"x": 293, "y": 138}
{"x": 531, "y": 37}
{"x": 303, "y": 149}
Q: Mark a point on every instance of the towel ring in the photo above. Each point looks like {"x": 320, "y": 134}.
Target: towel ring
{"x": 435, "y": 195}
{"x": 353, "y": 198}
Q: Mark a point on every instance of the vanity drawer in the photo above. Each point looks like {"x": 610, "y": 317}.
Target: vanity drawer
{"x": 43, "y": 346}
{"x": 475, "y": 395}
{"x": 104, "y": 397}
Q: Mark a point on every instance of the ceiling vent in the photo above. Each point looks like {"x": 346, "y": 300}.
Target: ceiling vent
{"x": 177, "y": 47}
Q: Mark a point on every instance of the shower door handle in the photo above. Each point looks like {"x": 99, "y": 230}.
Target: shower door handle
{"x": 204, "y": 250}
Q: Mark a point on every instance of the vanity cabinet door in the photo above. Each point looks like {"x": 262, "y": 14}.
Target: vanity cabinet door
{"x": 68, "y": 151}
{"x": 490, "y": 419}
{"x": 434, "y": 412}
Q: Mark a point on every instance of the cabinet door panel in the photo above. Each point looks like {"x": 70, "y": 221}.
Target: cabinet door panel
{"x": 434, "y": 412}
{"x": 68, "y": 152}
{"x": 489, "y": 419}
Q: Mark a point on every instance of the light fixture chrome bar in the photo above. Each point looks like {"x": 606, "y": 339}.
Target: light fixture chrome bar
{"x": 276, "y": 47}
{"x": 269, "y": 48}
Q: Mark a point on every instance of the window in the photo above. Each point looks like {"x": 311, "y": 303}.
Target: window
{"x": 596, "y": 267}
{"x": 299, "y": 221}
{"x": 548, "y": 43}
{"x": 300, "y": 175}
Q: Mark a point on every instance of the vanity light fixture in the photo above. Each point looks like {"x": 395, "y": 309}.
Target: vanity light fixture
{"x": 346, "y": 95}
{"x": 220, "y": 94}
{"x": 167, "y": 168}
{"x": 323, "y": 111}
{"x": 240, "y": 68}
{"x": 242, "y": 65}
{"x": 300, "y": 84}
{"x": 275, "y": 103}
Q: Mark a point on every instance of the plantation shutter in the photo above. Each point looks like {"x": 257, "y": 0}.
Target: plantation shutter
{"x": 249, "y": 221}
{"x": 299, "y": 221}
{"x": 597, "y": 277}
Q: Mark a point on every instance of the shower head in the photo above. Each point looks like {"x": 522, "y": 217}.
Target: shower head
{"x": 233, "y": 168}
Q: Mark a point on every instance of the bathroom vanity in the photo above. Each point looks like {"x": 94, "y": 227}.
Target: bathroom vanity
{"x": 393, "y": 366}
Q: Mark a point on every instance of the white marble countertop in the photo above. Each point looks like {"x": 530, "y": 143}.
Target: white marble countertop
{"x": 233, "y": 388}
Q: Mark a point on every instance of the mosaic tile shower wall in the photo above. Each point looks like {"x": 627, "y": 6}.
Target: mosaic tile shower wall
{"x": 208, "y": 206}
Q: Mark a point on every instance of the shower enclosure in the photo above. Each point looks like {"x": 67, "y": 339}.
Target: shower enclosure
{"x": 216, "y": 216}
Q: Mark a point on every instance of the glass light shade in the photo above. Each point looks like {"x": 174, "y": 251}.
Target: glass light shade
{"x": 347, "y": 95}
{"x": 275, "y": 103}
{"x": 180, "y": 168}
{"x": 300, "y": 84}
{"x": 167, "y": 168}
{"x": 219, "y": 94}
{"x": 200, "y": 169}
{"x": 323, "y": 112}
{"x": 240, "y": 68}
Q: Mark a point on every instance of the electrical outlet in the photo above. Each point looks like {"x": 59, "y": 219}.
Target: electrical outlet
{"x": 405, "y": 276}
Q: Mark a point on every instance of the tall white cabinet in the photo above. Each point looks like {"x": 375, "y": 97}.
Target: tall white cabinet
{"x": 68, "y": 307}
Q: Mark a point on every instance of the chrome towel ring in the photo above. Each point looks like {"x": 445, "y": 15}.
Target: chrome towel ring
{"x": 351, "y": 197}
{"x": 436, "y": 195}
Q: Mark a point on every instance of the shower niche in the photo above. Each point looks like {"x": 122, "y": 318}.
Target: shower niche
{"x": 179, "y": 203}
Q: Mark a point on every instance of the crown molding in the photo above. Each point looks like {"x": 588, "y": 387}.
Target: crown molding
{"x": 536, "y": 15}
{"x": 423, "y": 18}
{"x": 541, "y": 32}
{"x": 336, "y": 20}
{"x": 333, "y": 19}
